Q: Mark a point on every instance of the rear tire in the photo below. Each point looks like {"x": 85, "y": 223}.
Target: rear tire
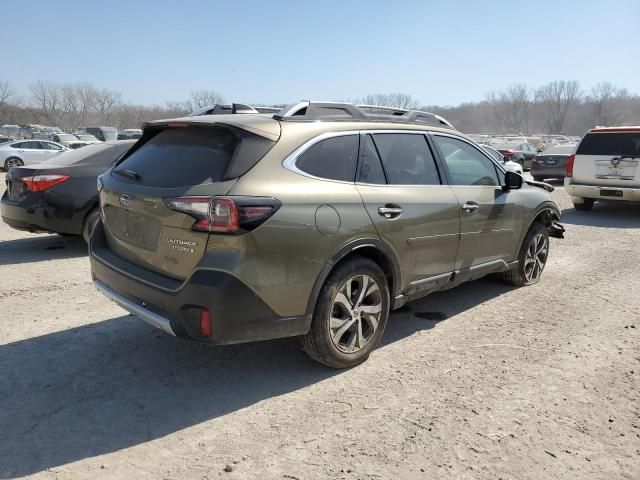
{"x": 350, "y": 315}
{"x": 12, "y": 162}
{"x": 531, "y": 259}
{"x": 90, "y": 221}
{"x": 585, "y": 206}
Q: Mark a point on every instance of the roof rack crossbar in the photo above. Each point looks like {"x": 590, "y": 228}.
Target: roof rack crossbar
{"x": 342, "y": 111}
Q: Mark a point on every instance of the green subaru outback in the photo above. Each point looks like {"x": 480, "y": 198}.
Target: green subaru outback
{"x": 313, "y": 222}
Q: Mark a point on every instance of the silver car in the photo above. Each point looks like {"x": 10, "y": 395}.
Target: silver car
{"x": 28, "y": 152}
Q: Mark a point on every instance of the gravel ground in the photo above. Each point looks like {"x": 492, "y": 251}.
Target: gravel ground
{"x": 482, "y": 381}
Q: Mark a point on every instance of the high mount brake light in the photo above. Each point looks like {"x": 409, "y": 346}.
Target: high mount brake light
{"x": 40, "y": 183}
{"x": 225, "y": 214}
{"x": 569, "y": 169}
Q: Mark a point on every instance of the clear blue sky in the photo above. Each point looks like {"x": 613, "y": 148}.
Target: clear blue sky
{"x": 441, "y": 52}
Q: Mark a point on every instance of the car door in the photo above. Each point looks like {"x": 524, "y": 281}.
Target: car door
{"x": 31, "y": 152}
{"x": 489, "y": 226}
{"x": 51, "y": 149}
{"x": 410, "y": 207}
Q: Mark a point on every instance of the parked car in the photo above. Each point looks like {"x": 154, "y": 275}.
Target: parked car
{"x": 521, "y": 153}
{"x": 68, "y": 140}
{"x": 315, "y": 222}
{"x": 85, "y": 137}
{"x": 220, "y": 109}
{"x": 61, "y": 195}
{"x": 104, "y": 134}
{"x": 509, "y": 165}
{"x": 129, "y": 134}
{"x": 605, "y": 167}
{"x": 552, "y": 162}
{"x": 28, "y": 152}
{"x": 7, "y": 139}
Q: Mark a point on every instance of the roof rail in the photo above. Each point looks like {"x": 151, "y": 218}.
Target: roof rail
{"x": 342, "y": 111}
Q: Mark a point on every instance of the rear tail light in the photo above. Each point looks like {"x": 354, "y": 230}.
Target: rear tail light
{"x": 40, "y": 183}
{"x": 570, "y": 159}
{"x": 225, "y": 214}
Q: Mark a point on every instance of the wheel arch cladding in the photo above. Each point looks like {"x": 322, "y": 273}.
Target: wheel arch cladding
{"x": 373, "y": 249}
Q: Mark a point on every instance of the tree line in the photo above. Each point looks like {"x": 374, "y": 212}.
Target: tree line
{"x": 559, "y": 107}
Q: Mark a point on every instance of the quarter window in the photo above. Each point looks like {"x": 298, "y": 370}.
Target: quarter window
{"x": 333, "y": 158}
{"x": 407, "y": 159}
{"x": 466, "y": 164}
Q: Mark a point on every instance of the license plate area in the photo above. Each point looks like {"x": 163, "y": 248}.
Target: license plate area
{"x": 15, "y": 189}
{"x": 617, "y": 170}
{"x": 551, "y": 161}
{"x": 611, "y": 193}
{"x": 132, "y": 227}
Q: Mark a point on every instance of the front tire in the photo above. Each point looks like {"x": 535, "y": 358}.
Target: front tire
{"x": 585, "y": 206}
{"x": 12, "y": 162}
{"x": 531, "y": 259}
{"x": 350, "y": 315}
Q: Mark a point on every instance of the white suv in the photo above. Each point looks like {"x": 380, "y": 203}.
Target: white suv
{"x": 605, "y": 167}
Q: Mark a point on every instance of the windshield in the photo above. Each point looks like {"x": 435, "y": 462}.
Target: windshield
{"x": 98, "y": 154}
{"x": 67, "y": 138}
{"x": 560, "y": 150}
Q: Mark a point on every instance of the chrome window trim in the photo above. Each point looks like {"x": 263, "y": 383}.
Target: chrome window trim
{"x": 290, "y": 161}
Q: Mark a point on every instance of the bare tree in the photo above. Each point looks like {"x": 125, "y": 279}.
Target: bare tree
{"x": 202, "y": 98}
{"x": 606, "y": 100}
{"x": 394, "y": 100}
{"x": 7, "y": 93}
{"x": 555, "y": 100}
{"x": 48, "y": 97}
{"x": 106, "y": 104}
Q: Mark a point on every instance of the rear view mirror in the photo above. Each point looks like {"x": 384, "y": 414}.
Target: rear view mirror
{"x": 512, "y": 181}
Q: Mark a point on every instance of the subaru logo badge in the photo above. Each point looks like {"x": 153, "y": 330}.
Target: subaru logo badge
{"x": 125, "y": 200}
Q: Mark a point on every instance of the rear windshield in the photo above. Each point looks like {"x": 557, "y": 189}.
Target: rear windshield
{"x": 624, "y": 144}
{"x": 98, "y": 154}
{"x": 560, "y": 150}
{"x": 178, "y": 157}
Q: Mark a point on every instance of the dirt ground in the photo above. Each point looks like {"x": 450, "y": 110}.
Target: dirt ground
{"x": 482, "y": 381}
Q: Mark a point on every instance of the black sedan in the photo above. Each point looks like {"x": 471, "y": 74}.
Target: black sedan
{"x": 551, "y": 163}
{"x": 59, "y": 196}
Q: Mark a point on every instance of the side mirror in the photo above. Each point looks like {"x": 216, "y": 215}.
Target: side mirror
{"x": 512, "y": 181}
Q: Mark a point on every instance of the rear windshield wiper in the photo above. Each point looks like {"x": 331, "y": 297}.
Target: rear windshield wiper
{"x": 128, "y": 173}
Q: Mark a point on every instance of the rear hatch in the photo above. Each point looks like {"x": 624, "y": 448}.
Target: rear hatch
{"x": 150, "y": 200}
{"x": 608, "y": 157}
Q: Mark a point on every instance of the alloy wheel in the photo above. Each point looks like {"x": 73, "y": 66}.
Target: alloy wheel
{"x": 355, "y": 313}
{"x": 536, "y": 257}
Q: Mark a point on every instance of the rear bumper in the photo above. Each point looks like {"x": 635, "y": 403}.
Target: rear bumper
{"x": 237, "y": 314}
{"x": 547, "y": 171}
{"x": 34, "y": 215}
{"x": 578, "y": 192}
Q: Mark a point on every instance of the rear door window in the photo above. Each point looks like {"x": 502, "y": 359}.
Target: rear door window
{"x": 466, "y": 164}
{"x": 333, "y": 158}
{"x": 407, "y": 159}
{"x": 370, "y": 170}
{"x": 178, "y": 157}
{"x": 615, "y": 144}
